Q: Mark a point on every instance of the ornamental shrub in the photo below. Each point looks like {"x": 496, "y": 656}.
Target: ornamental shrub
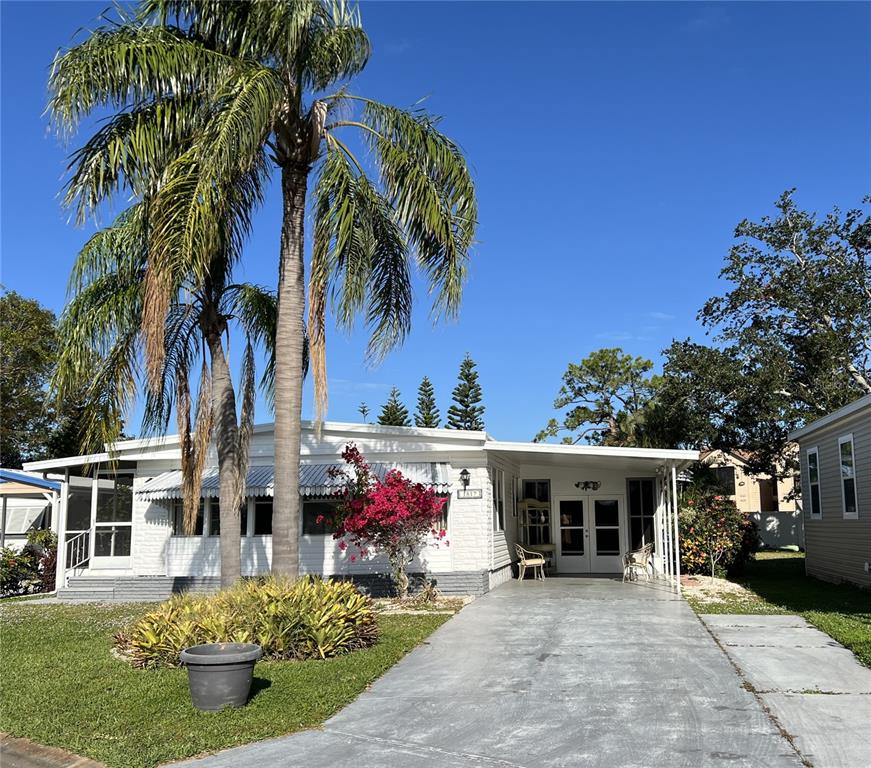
{"x": 394, "y": 515}
{"x": 714, "y": 536}
{"x": 306, "y": 619}
{"x": 19, "y": 571}
{"x": 32, "y": 568}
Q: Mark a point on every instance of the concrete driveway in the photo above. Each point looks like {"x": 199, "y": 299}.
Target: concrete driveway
{"x": 569, "y": 672}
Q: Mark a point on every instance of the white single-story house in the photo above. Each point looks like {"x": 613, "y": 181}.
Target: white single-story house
{"x": 583, "y": 507}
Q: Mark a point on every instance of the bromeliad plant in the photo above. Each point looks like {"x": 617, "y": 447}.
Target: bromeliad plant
{"x": 393, "y": 516}
{"x": 307, "y": 619}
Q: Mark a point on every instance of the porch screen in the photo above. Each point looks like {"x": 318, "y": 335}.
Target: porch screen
{"x": 642, "y": 509}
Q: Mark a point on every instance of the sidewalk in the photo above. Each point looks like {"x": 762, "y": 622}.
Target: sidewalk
{"x": 814, "y": 687}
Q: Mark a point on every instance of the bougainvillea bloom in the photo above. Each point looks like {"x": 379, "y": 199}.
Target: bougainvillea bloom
{"x": 394, "y": 515}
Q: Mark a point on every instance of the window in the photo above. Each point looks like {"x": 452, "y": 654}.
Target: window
{"x": 847, "y": 463}
{"x": 537, "y": 490}
{"x": 726, "y": 479}
{"x": 262, "y": 516}
{"x": 177, "y": 515}
{"x": 497, "y": 477}
{"x": 315, "y": 517}
{"x": 642, "y": 511}
{"x": 813, "y": 480}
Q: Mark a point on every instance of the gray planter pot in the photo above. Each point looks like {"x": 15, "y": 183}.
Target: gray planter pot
{"x": 220, "y": 674}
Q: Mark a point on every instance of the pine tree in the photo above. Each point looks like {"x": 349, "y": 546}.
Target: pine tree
{"x": 363, "y": 410}
{"x": 393, "y": 412}
{"x": 466, "y": 413}
{"x": 427, "y": 414}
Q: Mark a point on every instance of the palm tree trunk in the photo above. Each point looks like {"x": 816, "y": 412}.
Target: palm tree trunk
{"x": 289, "y": 341}
{"x": 226, "y": 433}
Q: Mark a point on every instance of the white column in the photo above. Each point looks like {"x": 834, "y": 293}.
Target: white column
{"x": 666, "y": 528}
{"x": 676, "y": 534}
{"x": 61, "y": 530}
{"x": 3, "y": 523}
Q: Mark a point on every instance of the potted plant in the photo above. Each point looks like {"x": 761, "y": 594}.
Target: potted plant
{"x": 220, "y": 674}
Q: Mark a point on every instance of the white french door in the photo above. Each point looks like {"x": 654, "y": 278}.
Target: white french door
{"x": 589, "y": 533}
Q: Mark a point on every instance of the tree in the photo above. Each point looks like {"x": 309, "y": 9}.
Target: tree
{"x": 363, "y": 410}
{"x": 466, "y": 412}
{"x": 393, "y": 412}
{"x": 262, "y": 86}
{"x": 394, "y": 515}
{"x": 101, "y": 341}
{"x": 427, "y": 413}
{"x": 793, "y": 335}
{"x": 27, "y": 352}
{"x": 608, "y": 395}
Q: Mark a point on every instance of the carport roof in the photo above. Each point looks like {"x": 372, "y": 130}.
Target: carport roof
{"x": 590, "y": 455}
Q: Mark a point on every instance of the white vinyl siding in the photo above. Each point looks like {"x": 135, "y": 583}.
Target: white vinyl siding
{"x": 847, "y": 464}
{"x": 813, "y": 479}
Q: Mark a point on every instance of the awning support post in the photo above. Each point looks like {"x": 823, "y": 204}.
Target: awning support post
{"x": 676, "y": 533}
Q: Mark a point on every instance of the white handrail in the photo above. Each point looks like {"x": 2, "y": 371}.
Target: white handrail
{"x": 78, "y": 550}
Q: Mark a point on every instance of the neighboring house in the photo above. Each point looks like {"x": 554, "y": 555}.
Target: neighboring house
{"x": 836, "y": 493}
{"x": 26, "y": 500}
{"x": 769, "y": 501}
{"x": 123, "y": 536}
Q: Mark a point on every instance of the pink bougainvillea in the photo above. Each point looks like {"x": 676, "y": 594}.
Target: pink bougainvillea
{"x": 393, "y": 515}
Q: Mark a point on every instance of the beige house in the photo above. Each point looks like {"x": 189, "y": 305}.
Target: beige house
{"x": 768, "y": 500}
{"x": 836, "y": 493}
{"x": 751, "y": 493}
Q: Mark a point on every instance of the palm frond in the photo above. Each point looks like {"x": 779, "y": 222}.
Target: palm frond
{"x": 128, "y": 64}
{"x": 129, "y": 152}
{"x": 246, "y": 421}
{"x": 429, "y": 186}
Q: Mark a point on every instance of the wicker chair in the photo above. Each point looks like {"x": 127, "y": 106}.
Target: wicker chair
{"x": 527, "y": 559}
{"x": 639, "y": 560}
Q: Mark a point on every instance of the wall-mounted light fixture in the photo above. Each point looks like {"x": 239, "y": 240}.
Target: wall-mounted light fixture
{"x": 588, "y": 485}
{"x": 465, "y": 476}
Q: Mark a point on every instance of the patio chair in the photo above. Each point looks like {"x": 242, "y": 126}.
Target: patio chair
{"x": 638, "y": 560}
{"x": 527, "y": 559}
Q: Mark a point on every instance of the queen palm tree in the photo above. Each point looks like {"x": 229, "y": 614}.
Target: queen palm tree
{"x": 101, "y": 342}
{"x": 265, "y": 87}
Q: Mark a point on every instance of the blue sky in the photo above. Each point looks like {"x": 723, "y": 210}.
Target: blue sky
{"x": 614, "y": 146}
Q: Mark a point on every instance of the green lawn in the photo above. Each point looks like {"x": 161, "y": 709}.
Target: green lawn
{"x": 60, "y": 686}
{"x": 779, "y": 585}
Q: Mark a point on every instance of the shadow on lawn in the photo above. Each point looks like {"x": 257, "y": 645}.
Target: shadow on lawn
{"x": 258, "y": 685}
{"x": 780, "y": 579}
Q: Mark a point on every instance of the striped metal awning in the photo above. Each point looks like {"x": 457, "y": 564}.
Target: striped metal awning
{"x": 314, "y": 480}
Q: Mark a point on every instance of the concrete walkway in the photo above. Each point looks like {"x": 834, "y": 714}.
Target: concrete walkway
{"x": 569, "y": 672}
{"x": 814, "y": 686}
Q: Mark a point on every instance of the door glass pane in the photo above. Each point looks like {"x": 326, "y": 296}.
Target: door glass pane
{"x": 115, "y": 499}
{"x": 606, "y": 512}
{"x": 607, "y": 541}
{"x": 112, "y": 541}
{"x": 572, "y": 541}
{"x": 571, "y": 512}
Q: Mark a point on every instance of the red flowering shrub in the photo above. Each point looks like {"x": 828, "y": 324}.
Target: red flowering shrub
{"x": 393, "y": 515}
{"x": 714, "y": 536}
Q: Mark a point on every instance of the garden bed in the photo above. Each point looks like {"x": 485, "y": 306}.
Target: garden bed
{"x": 62, "y": 687}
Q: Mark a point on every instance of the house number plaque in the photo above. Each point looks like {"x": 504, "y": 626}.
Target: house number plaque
{"x": 470, "y": 493}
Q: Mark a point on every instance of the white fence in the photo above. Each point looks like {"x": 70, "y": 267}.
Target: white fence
{"x": 780, "y": 529}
